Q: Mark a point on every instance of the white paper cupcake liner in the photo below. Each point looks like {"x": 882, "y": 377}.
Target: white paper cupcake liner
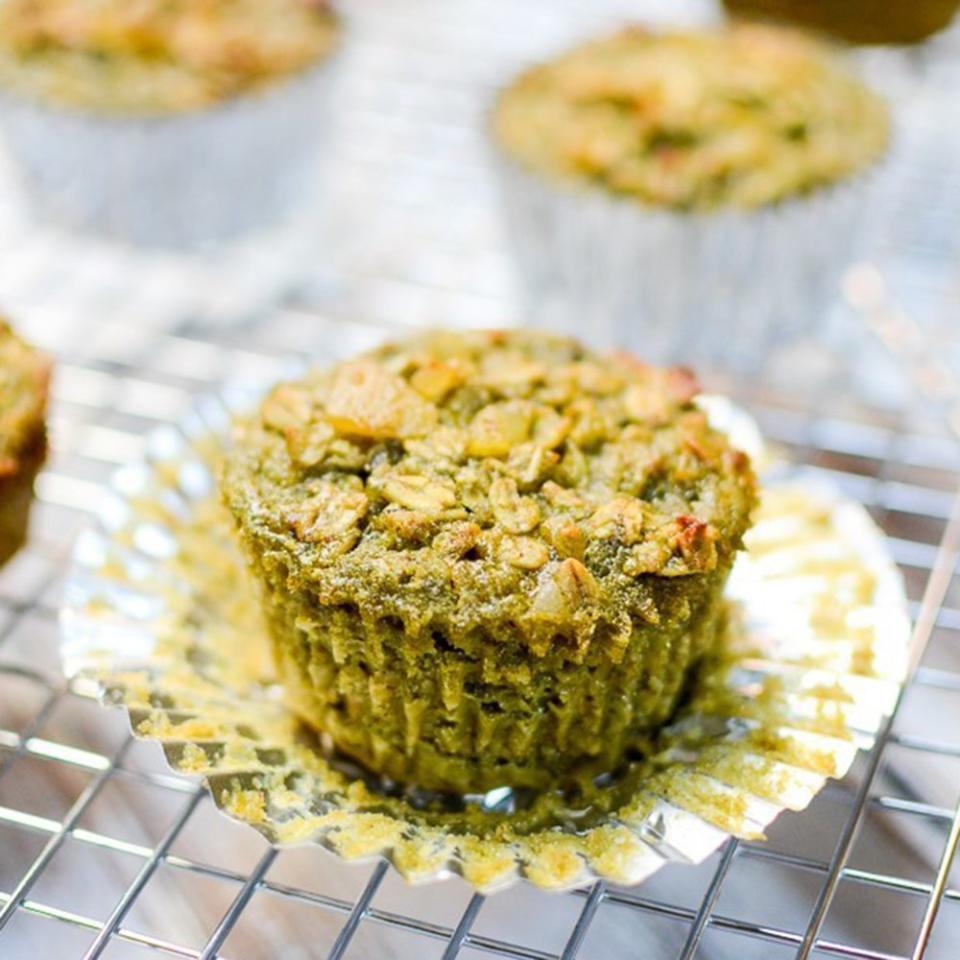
{"x": 721, "y": 288}
{"x": 160, "y": 618}
{"x": 179, "y": 180}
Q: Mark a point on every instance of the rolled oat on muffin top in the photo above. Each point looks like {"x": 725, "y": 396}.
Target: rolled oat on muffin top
{"x": 157, "y": 56}
{"x": 740, "y": 117}
{"x": 469, "y": 541}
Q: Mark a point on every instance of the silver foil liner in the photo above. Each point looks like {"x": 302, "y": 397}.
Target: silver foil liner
{"x": 721, "y": 288}
{"x": 160, "y": 618}
{"x": 180, "y": 180}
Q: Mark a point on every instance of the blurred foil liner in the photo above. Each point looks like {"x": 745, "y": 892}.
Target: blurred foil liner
{"x": 721, "y": 288}
{"x": 159, "y": 617}
{"x": 176, "y": 181}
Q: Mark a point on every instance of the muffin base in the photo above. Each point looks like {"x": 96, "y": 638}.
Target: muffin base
{"x": 423, "y": 712}
{"x": 179, "y": 180}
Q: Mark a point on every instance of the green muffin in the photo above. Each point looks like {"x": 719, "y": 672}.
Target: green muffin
{"x": 694, "y": 121}
{"x": 24, "y": 378}
{"x": 857, "y": 21}
{"x": 167, "y": 123}
{"x": 488, "y": 558}
{"x": 158, "y": 57}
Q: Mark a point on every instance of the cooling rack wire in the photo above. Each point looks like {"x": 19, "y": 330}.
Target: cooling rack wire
{"x": 104, "y": 853}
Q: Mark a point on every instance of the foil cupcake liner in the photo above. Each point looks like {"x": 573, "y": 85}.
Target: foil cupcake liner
{"x": 159, "y": 618}
{"x": 720, "y": 288}
{"x": 175, "y": 181}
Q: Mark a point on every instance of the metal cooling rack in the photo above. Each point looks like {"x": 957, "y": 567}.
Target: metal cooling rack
{"x": 102, "y": 849}
{"x": 105, "y": 853}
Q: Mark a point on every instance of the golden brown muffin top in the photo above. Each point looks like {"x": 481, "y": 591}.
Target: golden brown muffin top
{"x": 740, "y": 117}
{"x": 24, "y": 376}
{"x": 157, "y": 56}
{"x": 496, "y": 477}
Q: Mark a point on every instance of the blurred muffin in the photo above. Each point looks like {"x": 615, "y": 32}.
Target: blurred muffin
{"x": 488, "y": 558}
{"x": 157, "y": 56}
{"x": 856, "y": 21}
{"x": 660, "y": 186}
{"x": 24, "y": 377}
{"x": 165, "y": 121}
{"x": 694, "y": 121}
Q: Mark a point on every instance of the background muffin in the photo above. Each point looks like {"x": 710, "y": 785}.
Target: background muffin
{"x": 24, "y": 377}
{"x": 488, "y": 558}
{"x": 858, "y": 21}
{"x": 663, "y": 188}
{"x": 165, "y": 121}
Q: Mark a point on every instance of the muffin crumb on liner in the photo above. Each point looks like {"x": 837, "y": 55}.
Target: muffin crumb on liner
{"x": 175, "y": 126}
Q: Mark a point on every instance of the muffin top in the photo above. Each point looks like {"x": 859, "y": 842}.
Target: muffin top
{"x": 741, "y": 117}
{"x": 157, "y": 56}
{"x": 505, "y": 481}
{"x": 24, "y": 374}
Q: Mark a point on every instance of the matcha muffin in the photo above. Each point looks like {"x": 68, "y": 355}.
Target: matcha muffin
{"x": 24, "y": 376}
{"x": 660, "y": 186}
{"x": 488, "y": 558}
{"x": 165, "y": 121}
{"x": 856, "y": 21}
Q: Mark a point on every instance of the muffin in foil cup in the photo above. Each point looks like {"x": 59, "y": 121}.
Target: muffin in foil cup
{"x": 174, "y": 180}
{"x": 856, "y": 21}
{"x": 171, "y": 630}
{"x": 692, "y": 195}
{"x": 726, "y": 287}
{"x": 465, "y": 587}
{"x": 470, "y": 724}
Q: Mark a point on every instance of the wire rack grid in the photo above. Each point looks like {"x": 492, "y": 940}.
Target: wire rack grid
{"x": 103, "y": 852}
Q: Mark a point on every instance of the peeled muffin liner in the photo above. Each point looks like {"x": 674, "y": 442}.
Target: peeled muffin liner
{"x": 161, "y": 619}
{"x": 728, "y": 286}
